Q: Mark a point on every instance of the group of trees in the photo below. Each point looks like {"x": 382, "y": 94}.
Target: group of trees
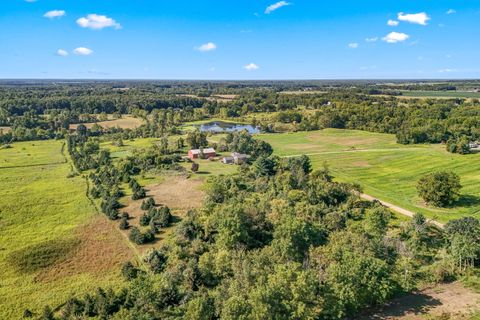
{"x": 280, "y": 241}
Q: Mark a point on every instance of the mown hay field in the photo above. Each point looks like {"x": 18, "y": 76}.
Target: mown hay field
{"x": 127, "y": 122}
{"x": 53, "y": 244}
{"x": 441, "y": 94}
{"x": 385, "y": 169}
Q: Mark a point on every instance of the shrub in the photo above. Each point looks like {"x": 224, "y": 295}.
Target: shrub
{"x": 139, "y": 238}
{"x": 147, "y": 204}
{"x": 144, "y": 220}
{"x": 195, "y": 167}
{"x": 124, "y": 225}
{"x": 129, "y": 271}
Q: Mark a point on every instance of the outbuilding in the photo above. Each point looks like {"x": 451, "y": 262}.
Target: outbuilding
{"x": 196, "y": 153}
{"x": 228, "y": 160}
{"x": 239, "y": 158}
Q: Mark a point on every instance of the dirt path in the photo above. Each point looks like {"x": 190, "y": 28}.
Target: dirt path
{"x": 449, "y": 301}
{"x": 398, "y": 209}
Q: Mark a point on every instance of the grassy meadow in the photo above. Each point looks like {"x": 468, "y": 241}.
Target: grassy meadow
{"x": 51, "y": 241}
{"x": 440, "y": 94}
{"x": 385, "y": 169}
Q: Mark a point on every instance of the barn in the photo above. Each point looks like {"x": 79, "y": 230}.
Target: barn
{"x": 207, "y": 153}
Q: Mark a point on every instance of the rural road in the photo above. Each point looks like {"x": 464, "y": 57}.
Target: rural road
{"x": 398, "y": 209}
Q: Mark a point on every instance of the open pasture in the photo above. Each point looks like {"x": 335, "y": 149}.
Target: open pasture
{"x": 52, "y": 243}
{"x": 385, "y": 169}
{"x": 440, "y": 94}
{"x": 127, "y": 122}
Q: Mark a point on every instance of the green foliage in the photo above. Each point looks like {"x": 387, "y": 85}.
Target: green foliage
{"x": 147, "y": 203}
{"x": 129, "y": 271}
{"x": 458, "y": 145}
{"x": 439, "y": 188}
{"x": 139, "y": 238}
{"x": 195, "y": 167}
{"x": 196, "y": 139}
{"x": 243, "y": 142}
{"x": 124, "y": 225}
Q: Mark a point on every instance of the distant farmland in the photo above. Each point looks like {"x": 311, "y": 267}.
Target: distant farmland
{"x": 127, "y": 122}
{"x": 385, "y": 169}
{"x": 440, "y": 94}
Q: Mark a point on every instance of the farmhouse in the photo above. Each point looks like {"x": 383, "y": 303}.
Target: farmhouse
{"x": 207, "y": 153}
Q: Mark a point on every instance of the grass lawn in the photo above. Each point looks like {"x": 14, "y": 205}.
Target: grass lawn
{"x": 49, "y": 245}
{"x": 385, "y": 169}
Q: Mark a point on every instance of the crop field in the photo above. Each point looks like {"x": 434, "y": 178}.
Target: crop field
{"x": 385, "y": 169}
{"x": 52, "y": 243}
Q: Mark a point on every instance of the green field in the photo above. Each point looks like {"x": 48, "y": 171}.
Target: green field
{"x": 41, "y": 211}
{"x": 385, "y": 169}
{"x": 440, "y": 94}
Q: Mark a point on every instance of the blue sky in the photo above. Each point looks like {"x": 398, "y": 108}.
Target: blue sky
{"x": 247, "y": 39}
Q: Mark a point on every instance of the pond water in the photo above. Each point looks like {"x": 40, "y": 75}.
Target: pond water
{"x": 219, "y": 126}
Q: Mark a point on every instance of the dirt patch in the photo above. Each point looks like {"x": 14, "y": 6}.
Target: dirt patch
{"x": 361, "y": 164}
{"x": 101, "y": 249}
{"x": 452, "y": 300}
{"x": 126, "y": 122}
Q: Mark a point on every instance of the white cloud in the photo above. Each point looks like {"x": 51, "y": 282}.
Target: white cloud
{"x": 353, "y": 45}
{"x": 276, "y": 6}
{"x": 62, "y": 53}
{"x": 54, "y": 14}
{"x": 372, "y": 39}
{"x": 394, "y": 37}
{"x": 451, "y": 11}
{"x": 95, "y": 21}
{"x": 417, "y": 18}
{"x": 447, "y": 70}
{"x": 392, "y": 23}
{"x": 210, "y": 46}
{"x": 30, "y": 0}
{"x": 81, "y": 51}
{"x": 251, "y": 66}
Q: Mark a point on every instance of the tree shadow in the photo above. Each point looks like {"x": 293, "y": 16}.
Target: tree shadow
{"x": 176, "y": 219}
{"x": 468, "y": 200}
{"x": 203, "y": 172}
{"x": 412, "y": 304}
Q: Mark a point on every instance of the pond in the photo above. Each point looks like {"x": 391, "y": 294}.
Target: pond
{"x": 220, "y": 126}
